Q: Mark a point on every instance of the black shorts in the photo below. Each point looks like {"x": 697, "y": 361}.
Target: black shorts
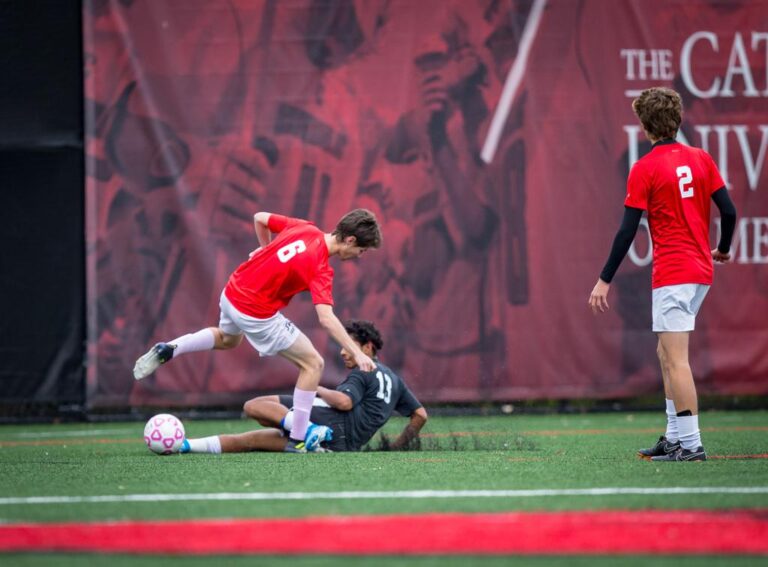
{"x": 335, "y": 419}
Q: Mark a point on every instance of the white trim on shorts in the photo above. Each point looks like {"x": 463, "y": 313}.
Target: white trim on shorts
{"x": 267, "y": 336}
{"x": 675, "y": 307}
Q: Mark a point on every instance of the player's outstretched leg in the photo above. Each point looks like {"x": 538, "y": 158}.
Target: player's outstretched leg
{"x": 210, "y": 444}
{"x": 152, "y": 359}
{"x": 204, "y": 339}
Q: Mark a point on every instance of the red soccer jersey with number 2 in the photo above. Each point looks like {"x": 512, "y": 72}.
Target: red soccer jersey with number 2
{"x": 296, "y": 260}
{"x": 674, "y": 184}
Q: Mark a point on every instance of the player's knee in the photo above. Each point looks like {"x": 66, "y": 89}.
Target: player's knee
{"x": 676, "y": 364}
{"x": 251, "y": 409}
{"x": 315, "y": 363}
{"x": 230, "y": 341}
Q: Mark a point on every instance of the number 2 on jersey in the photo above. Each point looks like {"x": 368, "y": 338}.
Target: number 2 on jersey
{"x": 290, "y": 250}
{"x": 684, "y": 177}
{"x": 385, "y": 389}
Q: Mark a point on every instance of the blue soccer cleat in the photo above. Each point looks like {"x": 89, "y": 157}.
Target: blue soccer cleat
{"x": 317, "y": 434}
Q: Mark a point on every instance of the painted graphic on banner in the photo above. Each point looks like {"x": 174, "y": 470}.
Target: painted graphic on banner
{"x": 486, "y": 135}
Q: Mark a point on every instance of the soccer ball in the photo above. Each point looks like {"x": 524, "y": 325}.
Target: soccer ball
{"x": 164, "y": 434}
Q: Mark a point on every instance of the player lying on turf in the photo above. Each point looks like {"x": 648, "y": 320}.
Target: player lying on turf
{"x": 295, "y": 261}
{"x": 674, "y": 183}
{"x": 343, "y": 419}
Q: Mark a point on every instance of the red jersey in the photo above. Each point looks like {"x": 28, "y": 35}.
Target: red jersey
{"x": 674, "y": 183}
{"x": 296, "y": 260}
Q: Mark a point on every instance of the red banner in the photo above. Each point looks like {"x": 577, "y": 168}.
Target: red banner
{"x": 492, "y": 138}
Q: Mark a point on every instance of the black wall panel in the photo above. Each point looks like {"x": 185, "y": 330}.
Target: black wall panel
{"x": 42, "y": 283}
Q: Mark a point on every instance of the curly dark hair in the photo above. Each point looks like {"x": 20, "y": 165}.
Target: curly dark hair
{"x": 365, "y": 332}
{"x": 660, "y": 111}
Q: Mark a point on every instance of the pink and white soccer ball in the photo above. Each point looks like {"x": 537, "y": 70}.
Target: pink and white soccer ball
{"x": 164, "y": 434}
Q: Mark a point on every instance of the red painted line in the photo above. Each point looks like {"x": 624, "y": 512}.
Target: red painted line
{"x": 558, "y": 432}
{"x": 61, "y": 442}
{"x": 608, "y": 532}
{"x": 738, "y": 457}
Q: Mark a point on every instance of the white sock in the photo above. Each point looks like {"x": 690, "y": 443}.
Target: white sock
{"x": 302, "y": 406}
{"x": 690, "y": 436}
{"x": 205, "y": 445}
{"x": 287, "y": 422}
{"x": 193, "y": 342}
{"x": 672, "y": 433}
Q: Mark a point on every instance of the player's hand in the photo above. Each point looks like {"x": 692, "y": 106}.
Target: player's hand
{"x": 720, "y": 257}
{"x": 598, "y": 299}
{"x": 364, "y": 362}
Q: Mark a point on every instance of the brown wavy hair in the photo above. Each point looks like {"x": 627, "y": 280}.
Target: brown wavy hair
{"x": 362, "y": 224}
{"x": 660, "y": 111}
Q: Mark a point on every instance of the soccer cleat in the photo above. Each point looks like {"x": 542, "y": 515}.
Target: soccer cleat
{"x": 184, "y": 447}
{"x": 294, "y": 446}
{"x": 682, "y": 454}
{"x": 154, "y": 357}
{"x": 317, "y": 434}
{"x": 662, "y": 447}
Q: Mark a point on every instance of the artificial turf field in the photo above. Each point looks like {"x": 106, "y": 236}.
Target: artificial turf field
{"x": 575, "y": 462}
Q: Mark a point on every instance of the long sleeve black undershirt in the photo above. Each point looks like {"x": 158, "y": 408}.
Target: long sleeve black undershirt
{"x": 727, "y": 218}
{"x": 631, "y": 221}
{"x": 622, "y": 242}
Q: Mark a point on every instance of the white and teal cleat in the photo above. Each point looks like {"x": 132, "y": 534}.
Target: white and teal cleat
{"x": 317, "y": 434}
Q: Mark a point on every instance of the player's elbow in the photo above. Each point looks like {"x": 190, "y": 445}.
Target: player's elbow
{"x": 261, "y": 218}
{"x": 344, "y": 403}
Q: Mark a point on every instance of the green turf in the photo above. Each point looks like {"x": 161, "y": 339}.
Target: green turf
{"x": 471, "y": 453}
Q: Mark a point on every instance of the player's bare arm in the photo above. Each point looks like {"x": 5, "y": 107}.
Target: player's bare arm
{"x": 337, "y": 400}
{"x": 411, "y": 432}
{"x": 331, "y": 323}
{"x": 261, "y": 225}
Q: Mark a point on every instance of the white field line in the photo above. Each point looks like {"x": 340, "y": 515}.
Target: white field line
{"x": 54, "y": 434}
{"x": 514, "y": 77}
{"x": 363, "y": 495}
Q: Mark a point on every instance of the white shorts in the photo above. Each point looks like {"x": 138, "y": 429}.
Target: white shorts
{"x": 675, "y": 307}
{"x": 267, "y": 336}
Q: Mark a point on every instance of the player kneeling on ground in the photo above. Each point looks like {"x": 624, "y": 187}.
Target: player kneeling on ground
{"x": 344, "y": 419}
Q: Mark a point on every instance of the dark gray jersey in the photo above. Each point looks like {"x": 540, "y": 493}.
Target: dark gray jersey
{"x": 375, "y": 396}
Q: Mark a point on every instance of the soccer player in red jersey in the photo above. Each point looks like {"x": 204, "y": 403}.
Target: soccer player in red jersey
{"x": 295, "y": 261}
{"x": 674, "y": 184}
